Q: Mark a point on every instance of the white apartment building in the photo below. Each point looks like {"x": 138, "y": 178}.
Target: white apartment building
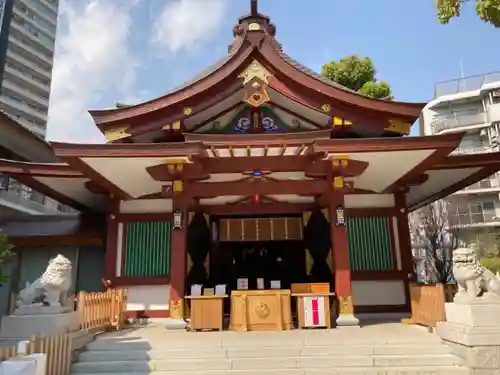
{"x": 29, "y": 55}
{"x": 471, "y": 104}
{"x": 27, "y": 43}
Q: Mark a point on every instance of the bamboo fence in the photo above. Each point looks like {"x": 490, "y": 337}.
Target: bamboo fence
{"x": 102, "y": 311}
{"x": 427, "y": 303}
{"x": 57, "y": 348}
{"x": 98, "y": 311}
{"x": 7, "y": 352}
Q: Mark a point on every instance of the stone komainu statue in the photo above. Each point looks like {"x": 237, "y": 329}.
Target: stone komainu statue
{"x": 50, "y": 289}
{"x": 474, "y": 281}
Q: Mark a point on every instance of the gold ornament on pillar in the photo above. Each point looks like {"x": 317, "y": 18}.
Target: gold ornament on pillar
{"x": 345, "y": 305}
{"x": 175, "y": 165}
{"x": 178, "y": 186}
{"x": 176, "y": 309}
{"x": 338, "y": 182}
{"x": 341, "y": 161}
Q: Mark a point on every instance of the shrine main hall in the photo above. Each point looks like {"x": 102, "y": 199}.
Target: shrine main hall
{"x": 256, "y": 175}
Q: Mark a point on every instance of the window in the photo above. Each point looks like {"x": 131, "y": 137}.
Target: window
{"x": 495, "y": 96}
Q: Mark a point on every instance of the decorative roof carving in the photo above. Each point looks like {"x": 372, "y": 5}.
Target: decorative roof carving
{"x": 255, "y": 70}
{"x": 115, "y": 134}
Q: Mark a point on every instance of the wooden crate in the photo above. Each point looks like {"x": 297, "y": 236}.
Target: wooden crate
{"x": 261, "y": 310}
{"x": 206, "y": 312}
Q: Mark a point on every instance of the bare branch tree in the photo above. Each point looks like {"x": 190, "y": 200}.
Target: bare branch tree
{"x": 433, "y": 231}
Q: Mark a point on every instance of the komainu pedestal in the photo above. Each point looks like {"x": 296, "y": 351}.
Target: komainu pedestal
{"x": 472, "y": 326}
{"x": 43, "y": 306}
{"x": 176, "y": 319}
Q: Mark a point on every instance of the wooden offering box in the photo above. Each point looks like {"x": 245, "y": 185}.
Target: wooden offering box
{"x": 260, "y": 310}
{"x": 313, "y": 304}
{"x": 207, "y": 312}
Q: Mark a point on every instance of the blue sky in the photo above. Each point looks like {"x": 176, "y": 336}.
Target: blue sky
{"x": 135, "y": 50}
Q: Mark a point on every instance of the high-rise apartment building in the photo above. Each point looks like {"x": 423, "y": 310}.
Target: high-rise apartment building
{"x": 27, "y": 51}
{"x": 27, "y": 43}
{"x": 471, "y": 104}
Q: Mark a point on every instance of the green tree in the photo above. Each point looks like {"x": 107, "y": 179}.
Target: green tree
{"x": 493, "y": 264}
{"x": 5, "y": 254}
{"x": 357, "y": 74}
{"x": 487, "y": 10}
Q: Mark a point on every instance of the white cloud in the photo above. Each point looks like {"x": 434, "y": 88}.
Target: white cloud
{"x": 92, "y": 56}
{"x": 182, "y": 24}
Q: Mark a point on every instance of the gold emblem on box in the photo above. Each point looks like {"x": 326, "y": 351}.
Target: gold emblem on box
{"x": 262, "y": 310}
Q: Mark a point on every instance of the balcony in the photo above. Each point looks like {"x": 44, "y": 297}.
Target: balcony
{"x": 37, "y": 128}
{"x": 24, "y": 199}
{"x": 454, "y": 121}
{"x": 475, "y": 220}
{"x": 45, "y": 8}
{"x": 18, "y": 90}
{"x": 18, "y": 59}
{"x": 472, "y": 150}
{"x": 465, "y": 212}
{"x": 22, "y": 78}
{"x": 20, "y": 29}
{"x": 465, "y": 84}
{"x": 11, "y": 105}
{"x": 490, "y": 184}
{"x": 29, "y": 50}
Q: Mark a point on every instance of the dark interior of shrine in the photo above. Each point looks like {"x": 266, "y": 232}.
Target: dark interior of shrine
{"x": 270, "y": 260}
{"x": 214, "y": 260}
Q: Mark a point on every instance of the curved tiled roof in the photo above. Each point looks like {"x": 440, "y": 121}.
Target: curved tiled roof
{"x": 254, "y": 41}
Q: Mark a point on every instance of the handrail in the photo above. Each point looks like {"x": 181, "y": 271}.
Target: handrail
{"x": 464, "y": 84}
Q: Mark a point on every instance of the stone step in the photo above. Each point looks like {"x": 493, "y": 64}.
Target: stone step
{"x": 421, "y": 370}
{"x": 225, "y": 364}
{"x": 261, "y": 352}
{"x": 237, "y": 342}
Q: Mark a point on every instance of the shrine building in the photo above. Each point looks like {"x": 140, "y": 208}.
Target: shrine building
{"x": 258, "y": 168}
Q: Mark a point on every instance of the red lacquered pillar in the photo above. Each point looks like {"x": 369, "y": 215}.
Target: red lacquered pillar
{"x": 340, "y": 254}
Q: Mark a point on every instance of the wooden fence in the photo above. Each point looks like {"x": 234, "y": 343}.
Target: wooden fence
{"x": 99, "y": 312}
{"x": 427, "y": 302}
{"x": 7, "y": 352}
{"x": 102, "y": 311}
{"x": 58, "y": 349}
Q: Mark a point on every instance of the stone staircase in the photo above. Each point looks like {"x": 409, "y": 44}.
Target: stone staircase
{"x": 382, "y": 349}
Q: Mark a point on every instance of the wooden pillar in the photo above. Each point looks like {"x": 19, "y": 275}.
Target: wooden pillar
{"x": 340, "y": 248}
{"x": 404, "y": 238}
{"x": 341, "y": 261}
{"x": 111, "y": 243}
{"x": 178, "y": 258}
{"x": 340, "y": 242}
{"x": 403, "y": 229}
{"x": 178, "y": 266}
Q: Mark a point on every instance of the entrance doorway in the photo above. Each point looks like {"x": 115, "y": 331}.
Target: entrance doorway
{"x": 270, "y": 260}
{"x": 263, "y": 247}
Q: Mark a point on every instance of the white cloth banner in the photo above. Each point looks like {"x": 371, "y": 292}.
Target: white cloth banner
{"x": 314, "y": 311}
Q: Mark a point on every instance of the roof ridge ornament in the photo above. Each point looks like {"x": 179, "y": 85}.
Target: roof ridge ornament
{"x": 254, "y": 22}
{"x": 254, "y": 7}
